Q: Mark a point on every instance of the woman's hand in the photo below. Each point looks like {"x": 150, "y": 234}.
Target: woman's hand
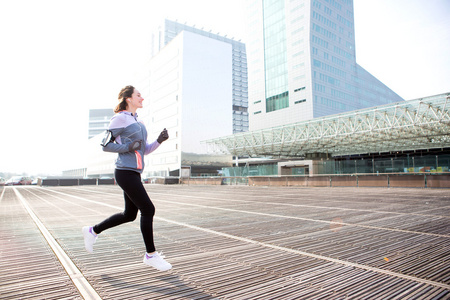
{"x": 134, "y": 145}
{"x": 164, "y": 135}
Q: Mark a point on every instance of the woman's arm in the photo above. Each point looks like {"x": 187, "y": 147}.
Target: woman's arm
{"x": 149, "y": 148}
{"x": 116, "y": 127}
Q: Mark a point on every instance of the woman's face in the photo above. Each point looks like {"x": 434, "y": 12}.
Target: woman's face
{"x": 135, "y": 101}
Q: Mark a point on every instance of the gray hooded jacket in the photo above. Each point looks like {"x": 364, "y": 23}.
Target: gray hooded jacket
{"x": 127, "y": 128}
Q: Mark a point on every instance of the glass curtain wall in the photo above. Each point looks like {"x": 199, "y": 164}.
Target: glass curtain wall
{"x": 275, "y": 55}
{"x": 410, "y": 164}
{"x": 251, "y": 170}
{"x": 432, "y": 164}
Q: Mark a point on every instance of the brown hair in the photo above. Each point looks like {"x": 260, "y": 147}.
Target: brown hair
{"x": 124, "y": 94}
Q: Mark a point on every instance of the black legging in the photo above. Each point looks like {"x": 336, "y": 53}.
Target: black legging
{"x": 136, "y": 198}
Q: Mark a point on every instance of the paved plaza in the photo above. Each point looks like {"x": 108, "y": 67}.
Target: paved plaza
{"x": 229, "y": 242}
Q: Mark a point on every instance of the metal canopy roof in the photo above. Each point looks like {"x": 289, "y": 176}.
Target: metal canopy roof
{"x": 409, "y": 125}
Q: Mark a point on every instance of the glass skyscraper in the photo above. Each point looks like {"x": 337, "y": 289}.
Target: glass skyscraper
{"x": 302, "y": 62}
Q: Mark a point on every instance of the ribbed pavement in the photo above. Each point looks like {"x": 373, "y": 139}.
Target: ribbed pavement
{"x": 229, "y": 242}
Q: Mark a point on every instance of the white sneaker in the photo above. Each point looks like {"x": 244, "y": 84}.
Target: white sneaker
{"x": 157, "y": 261}
{"x": 89, "y": 238}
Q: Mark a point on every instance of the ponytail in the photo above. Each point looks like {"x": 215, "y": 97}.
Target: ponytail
{"x": 124, "y": 94}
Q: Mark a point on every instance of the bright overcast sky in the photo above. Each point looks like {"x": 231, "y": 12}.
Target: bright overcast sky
{"x": 61, "y": 58}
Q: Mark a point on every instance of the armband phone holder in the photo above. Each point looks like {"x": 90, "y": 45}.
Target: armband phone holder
{"x": 108, "y": 138}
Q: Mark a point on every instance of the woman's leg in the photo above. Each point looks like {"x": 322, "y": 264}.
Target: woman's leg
{"x": 136, "y": 198}
{"x": 128, "y": 215}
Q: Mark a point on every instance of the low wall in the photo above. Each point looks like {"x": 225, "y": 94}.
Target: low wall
{"x": 356, "y": 180}
{"x": 417, "y": 181}
{"x": 322, "y": 181}
{"x": 50, "y": 182}
{"x": 295, "y": 181}
{"x": 203, "y": 181}
{"x": 75, "y": 181}
{"x": 373, "y": 181}
{"x": 68, "y": 182}
{"x": 258, "y": 181}
{"x": 233, "y": 180}
{"x": 89, "y": 181}
{"x": 163, "y": 180}
{"x": 438, "y": 181}
{"x": 344, "y": 181}
{"x": 105, "y": 181}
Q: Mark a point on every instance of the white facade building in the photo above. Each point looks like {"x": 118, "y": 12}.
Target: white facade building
{"x": 302, "y": 63}
{"x": 190, "y": 87}
{"x": 99, "y": 163}
{"x": 99, "y": 120}
{"x": 189, "y": 92}
{"x": 170, "y": 29}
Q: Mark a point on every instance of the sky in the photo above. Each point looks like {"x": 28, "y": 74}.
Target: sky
{"x": 60, "y": 58}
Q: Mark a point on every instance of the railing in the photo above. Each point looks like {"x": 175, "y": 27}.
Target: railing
{"x": 416, "y": 180}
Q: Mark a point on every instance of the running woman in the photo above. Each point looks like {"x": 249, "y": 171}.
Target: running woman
{"x": 127, "y": 136}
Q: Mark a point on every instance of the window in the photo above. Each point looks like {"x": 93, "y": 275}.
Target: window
{"x": 277, "y": 102}
{"x": 319, "y": 87}
{"x": 239, "y": 108}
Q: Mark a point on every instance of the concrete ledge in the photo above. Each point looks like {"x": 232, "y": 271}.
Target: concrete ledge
{"x": 438, "y": 181}
{"x": 68, "y": 182}
{"x": 50, "y": 182}
{"x": 417, "y": 181}
{"x": 268, "y": 181}
{"x": 350, "y": 181}
{"x": 289, "y": 181}
{"x": 205, "y": 181}
{"x": 75, "y": 181}
{"x": 105, "y": 181}
{"x": 319, "y": 181}
{"x": 373, "y": 181}
{"x": 90, "y": 181}
{"x": 258, "y": 181}
{"x": 163, "y": 180}
{"x": 356, "y": 180}
{"x": 277, "y": 181}
{"x": 297, "y": 181}
{"x": 171, "y": 180}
